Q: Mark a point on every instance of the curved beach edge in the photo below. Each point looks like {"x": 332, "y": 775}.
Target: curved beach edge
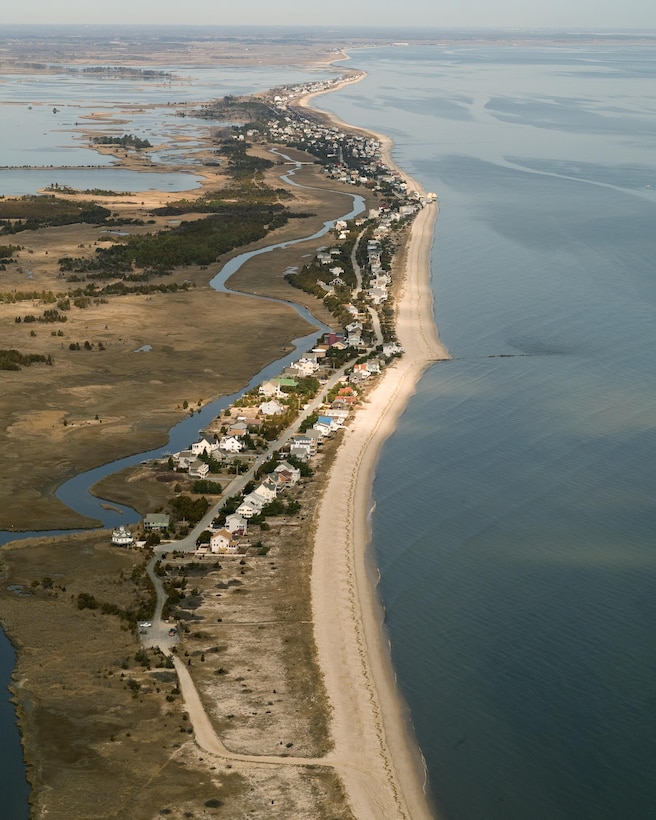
{"x": 381, "y": 764}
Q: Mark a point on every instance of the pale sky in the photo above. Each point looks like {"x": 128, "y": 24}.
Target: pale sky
{"x": 596, "y": 14}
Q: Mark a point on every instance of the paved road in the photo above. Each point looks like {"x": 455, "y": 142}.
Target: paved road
{"x": 188, "y": 543}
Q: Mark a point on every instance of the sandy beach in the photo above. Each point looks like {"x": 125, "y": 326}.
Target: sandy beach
{"x": 375, "y": 750}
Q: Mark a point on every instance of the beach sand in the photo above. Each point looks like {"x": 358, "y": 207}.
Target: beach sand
{"x": 375, "y": 750}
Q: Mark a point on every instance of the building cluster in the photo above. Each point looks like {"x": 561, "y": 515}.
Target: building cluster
{"x": 353, "y": 159}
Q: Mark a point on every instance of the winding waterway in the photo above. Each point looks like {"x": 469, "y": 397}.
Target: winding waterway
{"x": 76, "y": 492}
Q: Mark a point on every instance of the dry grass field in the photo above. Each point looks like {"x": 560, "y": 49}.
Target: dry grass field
{"x": 95, "y": 405}
{"x": 105, "y": 733}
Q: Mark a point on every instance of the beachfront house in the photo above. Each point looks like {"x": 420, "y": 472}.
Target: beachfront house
{"x": 250, "y": 506}
{"x": 286, "y": 467}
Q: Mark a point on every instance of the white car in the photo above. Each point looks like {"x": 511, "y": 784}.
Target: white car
{"x": 145, "y": 624}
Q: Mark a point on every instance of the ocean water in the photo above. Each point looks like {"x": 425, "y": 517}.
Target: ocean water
{"x": 515, "y": 517}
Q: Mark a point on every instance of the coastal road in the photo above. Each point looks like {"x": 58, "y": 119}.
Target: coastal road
{"x": 188, "y": 543}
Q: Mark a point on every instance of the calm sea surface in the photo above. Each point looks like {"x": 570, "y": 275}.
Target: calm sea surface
{"x": 515, "y": 516}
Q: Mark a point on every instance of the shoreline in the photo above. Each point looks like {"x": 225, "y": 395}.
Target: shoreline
{"x": 370, "y": 718}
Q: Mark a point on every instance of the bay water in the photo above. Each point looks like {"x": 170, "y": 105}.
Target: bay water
{"x": 515, "y": 505}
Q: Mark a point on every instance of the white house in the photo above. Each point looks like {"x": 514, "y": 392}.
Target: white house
{"x": 250, "y": 506}
{"x": 122, "y": 537}
{"x": 267, "y": 489}
{"x": 203, "y": 446}
{"x": 271, "y": 408}
{"x": 270, "y": 388}
{"x": 223, "y": 543}
{"x": 391, "y": 348}
{"x": 306, "y": 366}
{"x": 236, "y": 524}
{"x": 230, "y": 444}
{"x": 199, "y": 469}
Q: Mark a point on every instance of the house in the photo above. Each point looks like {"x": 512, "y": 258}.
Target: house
{"x": 183, "y": 459}
{"x": 222, "y": 542}
{"x": 122, "y": 537}
{"x": 270, "y": 388}
{"x": 199, "y": 469}
{"x": 271, "y": 408}
{"x": 377, "y": 295}
{"x": 286, "y": 467}
{"x": 299, "y": 451}
{"x": 305, "y": 443}
{"x": 281, "y": 481}
{"x": 250, "y": 506}
{"x": 329, "y": 421}
{"x": 203, "y": 446}
{"x": 391, "y": 349}
{"x": 288, "y": 383}
{"x": 305, "y": 366}
{"x": 230, "y": 444}
{"x": 236, "y": 524}
{"x": 156, "y": 521}
{"x": 267, "y": 489}
{"x": 339, "y": 415}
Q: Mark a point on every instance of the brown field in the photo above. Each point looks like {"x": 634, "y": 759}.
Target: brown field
{"x": 98, "y": 745}
{"x": 94, "y": 406}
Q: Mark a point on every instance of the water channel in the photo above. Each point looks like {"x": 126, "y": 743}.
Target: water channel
{"x": 75, "y": 492}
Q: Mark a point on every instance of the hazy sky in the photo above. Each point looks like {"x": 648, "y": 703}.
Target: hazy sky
{"x": 598, "y": 14}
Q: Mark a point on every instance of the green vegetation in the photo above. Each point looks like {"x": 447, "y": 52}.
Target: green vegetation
{"x": 238, "y": 109}
{"x": 31, "y": 212}
{"x": 199, "y": 242}
{"x": 127, "y": 141}
{"x": 13, "y": 360}
{"x": 189, "y": 509}
{"x": 7, "y": 251}
{"x": 202, "y": 485}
